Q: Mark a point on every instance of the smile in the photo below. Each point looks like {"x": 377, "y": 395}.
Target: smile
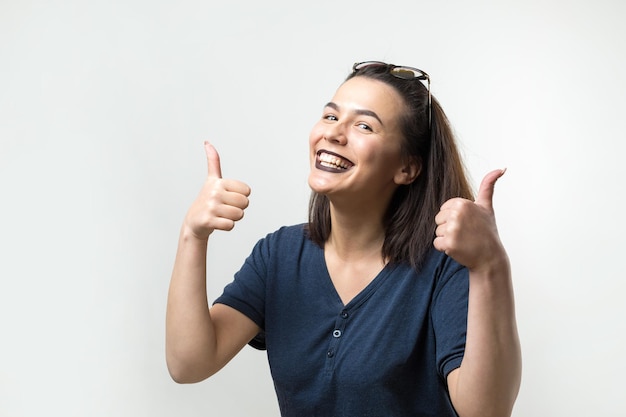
{"x": 331, "y": 162}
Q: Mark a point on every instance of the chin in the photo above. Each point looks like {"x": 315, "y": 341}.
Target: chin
{"x": 317, "y": 185}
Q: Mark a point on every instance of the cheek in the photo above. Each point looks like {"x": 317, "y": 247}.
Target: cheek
{"x": 316, "y": 135}
{"x": 386, "y": 157}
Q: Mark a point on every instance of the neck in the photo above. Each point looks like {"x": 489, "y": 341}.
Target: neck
{"x": 356, "y": 234}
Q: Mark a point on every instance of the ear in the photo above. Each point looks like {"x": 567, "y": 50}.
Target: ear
{"x": 408, "y": 172}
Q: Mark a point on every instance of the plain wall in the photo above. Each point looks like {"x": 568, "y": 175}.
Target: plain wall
{"x": 104, "y": 106}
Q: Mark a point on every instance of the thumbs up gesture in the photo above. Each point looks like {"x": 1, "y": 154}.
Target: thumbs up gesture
{"x": 221, "y": 202}
{"x": 466, "y": 230}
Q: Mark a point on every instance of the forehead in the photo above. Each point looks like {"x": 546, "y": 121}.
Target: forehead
{"x": 369, "y": 94}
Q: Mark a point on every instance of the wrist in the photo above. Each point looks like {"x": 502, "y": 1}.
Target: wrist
{"x": 187, "y": 234}
{"x": 497, "y": 264}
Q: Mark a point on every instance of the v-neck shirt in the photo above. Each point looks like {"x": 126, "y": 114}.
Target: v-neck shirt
{"x": 387, "y": 352}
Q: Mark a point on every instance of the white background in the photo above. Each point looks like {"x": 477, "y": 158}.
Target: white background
{"x": 104, "y": 106}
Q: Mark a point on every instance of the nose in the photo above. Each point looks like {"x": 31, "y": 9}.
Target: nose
{"x": 335, "y": 133}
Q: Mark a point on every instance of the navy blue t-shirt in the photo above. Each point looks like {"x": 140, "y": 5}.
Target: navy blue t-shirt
{"x": 386, "y": 353}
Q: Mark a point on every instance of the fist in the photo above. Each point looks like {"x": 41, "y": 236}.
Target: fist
{"x": 221, "y": 202}
{"x": 466, "y": 230}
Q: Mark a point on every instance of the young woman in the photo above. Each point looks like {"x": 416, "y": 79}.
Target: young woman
{"x": 394, "y": 300}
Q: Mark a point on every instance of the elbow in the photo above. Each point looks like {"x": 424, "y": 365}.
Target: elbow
{"x": 187, "y": 372}
{"x": 186, "y": 375}
{"x": 179, "y": 376}
{"x": 183, "y": 379}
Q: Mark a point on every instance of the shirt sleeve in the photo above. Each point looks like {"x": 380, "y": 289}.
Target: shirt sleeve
{"x": 246, "y": 293}
{"x": 449, "y": 316}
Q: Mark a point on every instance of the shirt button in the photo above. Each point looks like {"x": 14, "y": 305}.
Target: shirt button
{"x": 344, "y": 314}
{"x": 337, "y": 333}
{"x": 330, "y": 353}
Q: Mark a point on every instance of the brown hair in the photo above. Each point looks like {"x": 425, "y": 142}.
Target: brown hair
{"x": 410, "y": 218}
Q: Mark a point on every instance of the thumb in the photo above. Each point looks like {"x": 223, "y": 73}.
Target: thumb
{"x": 213, "y": 160}
{"x": 485, "y": 192}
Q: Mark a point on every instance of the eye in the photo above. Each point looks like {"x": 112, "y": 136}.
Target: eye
{"x": 364, "y": 126}
{"x": 330, "y": 117}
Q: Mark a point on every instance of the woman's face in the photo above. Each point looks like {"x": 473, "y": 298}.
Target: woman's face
{"x": 355, "y": 148}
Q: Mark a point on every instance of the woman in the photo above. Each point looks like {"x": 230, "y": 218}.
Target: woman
{"x": 394, "y": 300}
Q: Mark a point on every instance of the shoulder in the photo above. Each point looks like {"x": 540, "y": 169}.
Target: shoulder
{"x": 449, "y": 279}
{"x": 295, "y": 231}
{"x": 286, "y": 236}
{"x": 283, "y": 242}
{"x": 441, "y": 271}
{"x": 439, "y": 265}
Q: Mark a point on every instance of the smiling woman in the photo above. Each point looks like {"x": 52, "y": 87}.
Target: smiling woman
{"x": 367, "y": 309}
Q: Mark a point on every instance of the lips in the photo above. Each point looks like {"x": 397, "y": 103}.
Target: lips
{"x": 332, "y": 162}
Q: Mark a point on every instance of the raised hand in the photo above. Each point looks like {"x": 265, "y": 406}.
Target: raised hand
{"x": 221, "y": 202}
{"x": 467, "y": 230}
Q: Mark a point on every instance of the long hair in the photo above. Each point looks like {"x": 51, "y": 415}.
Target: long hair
{"x": 409, "y": 220}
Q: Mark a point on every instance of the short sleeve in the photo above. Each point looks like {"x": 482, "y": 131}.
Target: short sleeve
{"x": 246, "y": 293}
{"x": 449, "y": 316}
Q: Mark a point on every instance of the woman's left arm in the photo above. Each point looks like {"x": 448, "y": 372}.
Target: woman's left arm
{"x": 487, "y": 382}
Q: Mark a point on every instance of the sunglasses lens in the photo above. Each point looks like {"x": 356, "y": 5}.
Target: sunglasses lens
{"x": 362, "y": 65}
{"x": 405, "y": 73}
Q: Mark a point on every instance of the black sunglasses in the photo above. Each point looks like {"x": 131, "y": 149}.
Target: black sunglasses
{"x": 405, "y": 73}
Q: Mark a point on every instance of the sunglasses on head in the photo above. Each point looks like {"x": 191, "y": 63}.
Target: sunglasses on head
{"x": 400, "y": 71}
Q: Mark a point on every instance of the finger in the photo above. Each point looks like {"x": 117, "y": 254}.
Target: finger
{"x": 439, "y": 244}
{"x": 452, "y": 203}
{"x": 485, "y": 192}
{"x": 450, "y": 210}
{"x": 236, "y": 187}
{"x": 235, "y": 200}
{"x": 213, "y": 160}
{"x": 441, "y": 218}
{"x": 224, "y": 224}
{"x": 232, "y": 213}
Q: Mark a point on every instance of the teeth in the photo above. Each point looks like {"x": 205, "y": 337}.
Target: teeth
{"x": 331, "y": 161}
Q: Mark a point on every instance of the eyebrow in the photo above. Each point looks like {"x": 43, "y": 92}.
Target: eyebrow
{"x": 363, "y": 112}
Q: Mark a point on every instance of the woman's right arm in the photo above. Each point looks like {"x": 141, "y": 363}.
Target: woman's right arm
{"x": 199, "y": 340}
